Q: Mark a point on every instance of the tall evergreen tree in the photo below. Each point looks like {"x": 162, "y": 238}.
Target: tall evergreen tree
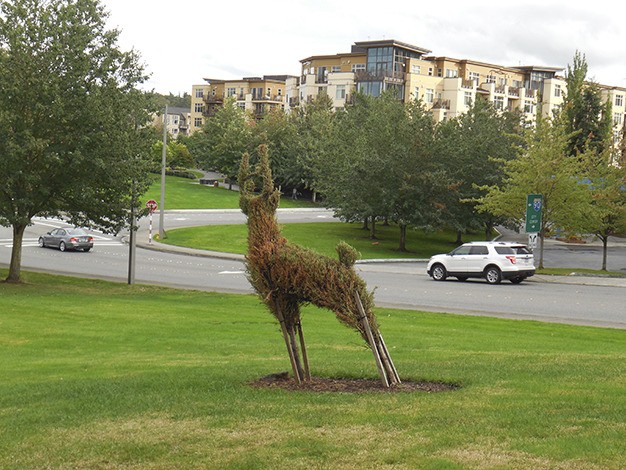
{"x": 588, "y": 119}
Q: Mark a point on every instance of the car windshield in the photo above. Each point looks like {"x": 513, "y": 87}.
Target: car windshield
{"x": 76, "y": 231}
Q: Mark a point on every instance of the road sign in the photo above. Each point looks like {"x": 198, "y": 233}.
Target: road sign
{"x": 152, "y": 205}
{"x": 534, "y": 206}
{"x": 532, "y": 240}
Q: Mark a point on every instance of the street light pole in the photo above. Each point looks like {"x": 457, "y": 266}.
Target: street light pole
{"x": 163, "y": 163}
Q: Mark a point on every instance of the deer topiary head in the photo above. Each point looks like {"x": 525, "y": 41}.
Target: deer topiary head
{"x": 269, "y": 197}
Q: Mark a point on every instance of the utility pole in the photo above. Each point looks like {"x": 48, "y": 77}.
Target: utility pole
{"x": 163, "y": 163}
{"x": 132, "y": 246}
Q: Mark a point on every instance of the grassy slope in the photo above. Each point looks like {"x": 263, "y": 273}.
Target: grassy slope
{"x": 106, "y": 375}
{"x": 322, "y": 237}
{"x": 184, "y": 193}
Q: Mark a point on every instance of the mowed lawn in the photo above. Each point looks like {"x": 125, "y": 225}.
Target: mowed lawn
{"x": 323, "y": 238}
{"x": 103, "y": 375}
{"x": 185, "y": 193}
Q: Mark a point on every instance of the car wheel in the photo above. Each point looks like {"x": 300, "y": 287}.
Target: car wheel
{"x": 439, "y": 272}
{"x": 461, "y": 278}
{"x": 517, "y": 280}
{"x": 62, "y": 246}
{"x": 86, "y": 249}
{"x": 42, "y": 244}
{"x": 493, "y": 275}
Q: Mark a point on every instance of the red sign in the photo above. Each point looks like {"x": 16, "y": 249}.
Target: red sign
{"x": 152, "y": 205}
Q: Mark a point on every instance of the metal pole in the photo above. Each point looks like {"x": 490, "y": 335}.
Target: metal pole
{"x": 150, "y": 231}
{"x": 132, "y": 245}
{"x": 163, "y": 163}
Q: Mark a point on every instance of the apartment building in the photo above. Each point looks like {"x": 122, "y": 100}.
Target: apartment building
{"x": 257, "y": 95}
{"x": 178, "y": 120}
{"x": 446, "y": 85}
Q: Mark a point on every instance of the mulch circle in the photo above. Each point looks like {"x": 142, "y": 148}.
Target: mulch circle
{"x": 320, "y": 384}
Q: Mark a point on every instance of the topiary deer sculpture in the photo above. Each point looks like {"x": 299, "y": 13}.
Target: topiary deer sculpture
{"x": 286, "y": 276}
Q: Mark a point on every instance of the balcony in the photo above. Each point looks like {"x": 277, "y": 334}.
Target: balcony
{"x": 365, "y": 76}
{"x": 293, "y": 102}
{"x": 469, "y": 84}
{"x": 278, "y": 98}
{"x": 513, "y": 91}
{"x": 441, "y": 104}
{"x": 214, "y": 100}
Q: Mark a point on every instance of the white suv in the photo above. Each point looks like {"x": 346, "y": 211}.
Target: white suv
{"x": 492, "y": 260}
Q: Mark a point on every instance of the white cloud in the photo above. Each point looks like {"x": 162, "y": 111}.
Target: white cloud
{"x": 184, "y": 41}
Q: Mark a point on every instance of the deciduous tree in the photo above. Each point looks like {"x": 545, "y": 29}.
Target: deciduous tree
{"x": 72, "y": 122}
{"x": 543, "y": 166}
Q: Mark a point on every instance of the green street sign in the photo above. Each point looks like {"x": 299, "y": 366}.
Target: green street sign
{"x": 534, "y": 206}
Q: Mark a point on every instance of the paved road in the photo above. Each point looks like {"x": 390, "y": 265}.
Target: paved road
{"x": 397, "y": 284}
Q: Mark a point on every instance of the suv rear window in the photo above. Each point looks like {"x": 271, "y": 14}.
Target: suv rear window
{"x": 521, "y": 250}
{"x": 504, "y": 250}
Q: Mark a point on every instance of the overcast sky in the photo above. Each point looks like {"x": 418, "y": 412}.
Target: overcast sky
{"x": 183, "y": 41}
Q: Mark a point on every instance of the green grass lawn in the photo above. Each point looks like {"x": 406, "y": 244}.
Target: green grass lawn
{"x": 185, "y": 193}
{"x": 104, "y": 375}
{"x": 322, "y": 237}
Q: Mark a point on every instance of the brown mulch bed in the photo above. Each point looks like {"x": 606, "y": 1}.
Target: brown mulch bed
{"x": 320, "y": 384}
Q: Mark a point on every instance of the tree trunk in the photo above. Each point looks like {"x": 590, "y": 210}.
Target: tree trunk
{"x": 459, "y": 237}
{"x": 314, "y": 197}
{"x": 366, "y": 225}
{"x": 402, "y": 246}
{"x": 373, "y": 230}
{"x": 15, "y": 268}
{"x": 488, "y": 231}
{"x": 605, "y": 247}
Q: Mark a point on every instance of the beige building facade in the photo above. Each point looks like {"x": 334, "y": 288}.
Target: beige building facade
{"x": 256, "y": 95}
{"x": 447, "y": 86}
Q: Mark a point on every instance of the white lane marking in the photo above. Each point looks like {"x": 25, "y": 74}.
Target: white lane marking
{"x": 232, "y": 272}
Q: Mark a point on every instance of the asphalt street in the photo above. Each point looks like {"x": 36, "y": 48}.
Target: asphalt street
{"x": 594, "y": 301}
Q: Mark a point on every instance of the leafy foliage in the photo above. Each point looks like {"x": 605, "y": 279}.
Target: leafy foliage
{"x": 73, "y": 123}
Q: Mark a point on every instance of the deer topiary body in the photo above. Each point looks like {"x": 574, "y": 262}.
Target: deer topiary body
{"x": 286, "y": 276}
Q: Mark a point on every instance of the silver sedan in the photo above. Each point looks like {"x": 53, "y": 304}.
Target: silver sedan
{"x": 67, "y": 239}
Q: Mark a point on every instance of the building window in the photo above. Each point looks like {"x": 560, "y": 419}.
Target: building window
{"x": 230, "y": 92}
{"x": 199, "y": 107}
{"x": 199, "y": 93}
{"x": 280, "y": 92}
{"x": 430, "y": 95}
{"x": 340, "y": 94}
{"x": 197, "y": 122}
{"x": 430, "y": 71}
{"x": 498, "y": 102}
{"x": 490, "y": 79}
{"x": 529, "y": 106}
{"x": 357, "y": 67}
{"x": 619, "y": 100}
{"x": 617, "y": 118}
{"x": 467, "y": 99}
{"x": 336, "y": 68}
{"x": 440, "y": 72}
{"x": 517, "y": 84}
{"x": 502, "y": 81}
{"x": 475, "y": 76}
{"x": 416, "y": 69}
{"x": 557, "y": 90}
{"x": 451, "y": 73}
{"x": 242, "y": 105}
{"x": 416, "y": 93}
